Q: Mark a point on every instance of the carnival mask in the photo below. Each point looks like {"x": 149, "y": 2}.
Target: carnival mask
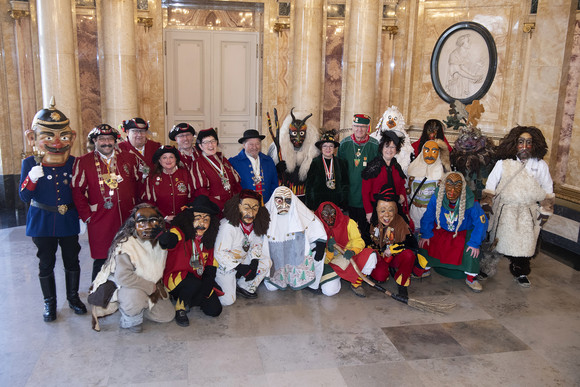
{"x": 432, "y": 132}
{"x": 283, "y": 200}
{"x": 386, "y": 212}
{"x": 54, "y": 144}
{"x": 524, "y": 146}
{"x": 201, "y": 222}
{"x": 430, "y": 152}
{"x": 248, "y": 210}
{"x": 297, "y": 130}
{"x": 146, "y": 219}
{"x": 328, "y": 214}
{"x": 453, "y": 186}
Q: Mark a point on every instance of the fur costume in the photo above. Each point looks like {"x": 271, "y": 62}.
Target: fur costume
{"x": 297, "y": 161}
{"x": 515, "y": 221}
{"x": 393, "y": 119}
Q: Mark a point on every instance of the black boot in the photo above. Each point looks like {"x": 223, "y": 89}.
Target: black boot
{"x": 72, "y": 292}
{"x": 49, "y": 292}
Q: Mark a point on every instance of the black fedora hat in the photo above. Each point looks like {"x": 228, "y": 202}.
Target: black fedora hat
{"x": 203, "y": 204}
{"x": 251, "y": 133}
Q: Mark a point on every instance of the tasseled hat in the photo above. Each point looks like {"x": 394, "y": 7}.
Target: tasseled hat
{"x": 183, "y": 127}
{"x": 103, "y": 130}
{"x": 134, "y": 123}
{"x": 328, "y": 136}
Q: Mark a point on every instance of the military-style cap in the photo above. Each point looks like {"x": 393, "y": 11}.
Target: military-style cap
{"x": 50, "y": 117}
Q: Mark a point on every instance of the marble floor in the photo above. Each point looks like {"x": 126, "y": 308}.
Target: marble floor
{"x": 505, "y": 335}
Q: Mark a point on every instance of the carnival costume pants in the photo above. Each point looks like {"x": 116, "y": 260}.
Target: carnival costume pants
{"x": 134, "y": 305}
{"x": 403, "y": 264}
{"x": 189, "y": 291}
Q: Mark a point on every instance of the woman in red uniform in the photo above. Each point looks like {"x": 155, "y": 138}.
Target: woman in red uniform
{"x": 213, "y": 175}
{"x": 384, "y": 170}
{"x": 169, "y": 187}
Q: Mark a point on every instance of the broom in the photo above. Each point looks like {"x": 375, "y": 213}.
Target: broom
{"x": 425, "y": 306}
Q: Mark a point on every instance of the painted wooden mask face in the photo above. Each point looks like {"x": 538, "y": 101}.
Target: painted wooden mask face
{"x": 453, "y": 187}
{"x": 430, "y": 152}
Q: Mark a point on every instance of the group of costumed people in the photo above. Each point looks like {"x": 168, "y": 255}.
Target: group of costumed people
{"x": 172, "y": 228}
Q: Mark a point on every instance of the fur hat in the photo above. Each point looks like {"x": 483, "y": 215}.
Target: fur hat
{"x": 183, "y": 127}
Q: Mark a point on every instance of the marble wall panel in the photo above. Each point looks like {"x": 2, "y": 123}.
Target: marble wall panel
{"x": 425, "y": 103}
{"x": 89, "y": 77}
{"x": 11, "y": 129}
{"x": 333, "y": 75}
{"x": 151, "y": 72}
{"x": 569, "y": 147}
{"x": 283, "y": 75}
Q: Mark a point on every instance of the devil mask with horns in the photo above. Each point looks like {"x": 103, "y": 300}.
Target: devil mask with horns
{"x": 297, "y": 130}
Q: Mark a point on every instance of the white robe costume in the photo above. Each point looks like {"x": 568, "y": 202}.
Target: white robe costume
{"x": 135, "y": 268}
{"x": 516, "y": 206}
{"x": 291, "y": 239}
{"x": 418, "y": 170}
{"x": 229, "y": 253}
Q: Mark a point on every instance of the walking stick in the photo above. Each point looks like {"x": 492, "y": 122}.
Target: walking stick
{"x": 425, "y": 306}
{"x": 275, "y": 137}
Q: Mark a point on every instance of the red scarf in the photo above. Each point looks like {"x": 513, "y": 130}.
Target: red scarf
{"x": 363, "y": 141}
{"x": 339, "y": 231}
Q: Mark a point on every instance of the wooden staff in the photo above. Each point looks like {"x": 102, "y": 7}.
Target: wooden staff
{"x": 433, "y": 307}
{"x": 276, "y": 136}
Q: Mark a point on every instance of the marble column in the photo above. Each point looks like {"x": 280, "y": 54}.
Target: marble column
{"x": 545, "y": 100}
{"x": 361, "y": 59}
{"x": 307, "y": 64}
{"x": 58, "y": 67}
{"x": 119, "y": 56}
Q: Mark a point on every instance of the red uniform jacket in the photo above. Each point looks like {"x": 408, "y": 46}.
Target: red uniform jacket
{"x": 145, "y": 159}
{"x": 169, "y": 192}
{"x": 207, "y": 181}
{"x": 90, "y": 201}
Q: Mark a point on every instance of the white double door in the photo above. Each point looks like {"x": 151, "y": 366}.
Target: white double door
{"x": 212, "y": 81}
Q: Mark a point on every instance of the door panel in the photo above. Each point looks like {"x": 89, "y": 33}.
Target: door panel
{"x": 212, "y": 81}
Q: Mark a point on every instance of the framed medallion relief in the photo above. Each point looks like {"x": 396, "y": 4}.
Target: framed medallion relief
{"x": 463, "y": 63}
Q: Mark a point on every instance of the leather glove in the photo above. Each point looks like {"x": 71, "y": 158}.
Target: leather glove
{"x": 208, "y": 281}
{"x": 348, "y": 254}
{"x": 543, "y": 219}
{"x": 486, "y": 202}
{"x": 155, "y": 296}
{"x": 36, "y": 173}
{"x": 319, "y": 251}
{"x": 167, "y": 239}
{"x": 243, "y": 270}
{"x": 253, "y": 269}
{"x": 330, "y": 245}
{"x": 162, "y": 291}
{"x": 281, "y": 167}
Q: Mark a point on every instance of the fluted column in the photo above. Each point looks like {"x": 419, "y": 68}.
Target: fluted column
{"x": 307, "y": 58}
{"x": 120, "y": 69}
{"x": 58, "y": 68}
{"x": 361, "y": 62}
